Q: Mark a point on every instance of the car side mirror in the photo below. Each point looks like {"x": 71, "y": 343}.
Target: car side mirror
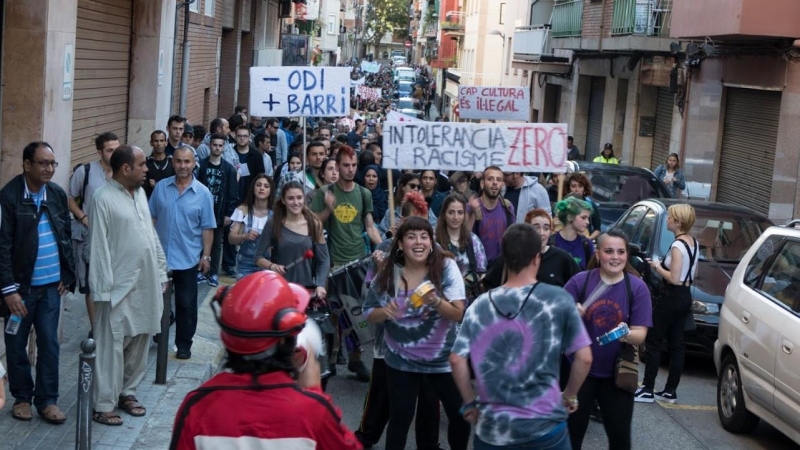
{"x": 638, "y": 263}
{"x": 634, "y": 249}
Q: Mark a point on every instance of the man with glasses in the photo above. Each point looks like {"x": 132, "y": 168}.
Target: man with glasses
{"x": 86, "y": 179}
{"x": 281, "y": 144}
{"x": 36, "y": 269}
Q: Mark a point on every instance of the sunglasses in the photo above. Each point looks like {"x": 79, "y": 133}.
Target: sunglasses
{"x": 414, "y": 186}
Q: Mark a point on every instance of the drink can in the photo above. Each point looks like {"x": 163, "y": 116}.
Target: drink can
{"x": 614, "y": 334}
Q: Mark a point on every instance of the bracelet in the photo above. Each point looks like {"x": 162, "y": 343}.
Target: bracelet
{"x": 467, "y": 406}
{"x": 81, "y": 219}
{"x": 438, "y": 303}
{"x": 269, "y": 267}
{"x": 570, "y": 400}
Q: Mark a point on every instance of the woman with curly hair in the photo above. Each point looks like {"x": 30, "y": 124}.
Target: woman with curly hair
{"x": 580, "y": 186}
{"x": 419, "y": 296}
{"x": 574, "y": 215}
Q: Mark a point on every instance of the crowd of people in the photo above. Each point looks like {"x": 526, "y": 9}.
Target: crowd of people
{"x": 484, "y": 293}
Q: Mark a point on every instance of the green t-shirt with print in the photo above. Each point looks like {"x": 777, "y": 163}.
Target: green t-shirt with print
{"x": 346, "y": 222}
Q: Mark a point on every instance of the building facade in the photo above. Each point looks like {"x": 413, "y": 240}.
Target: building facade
{"x": 711, "y": 81}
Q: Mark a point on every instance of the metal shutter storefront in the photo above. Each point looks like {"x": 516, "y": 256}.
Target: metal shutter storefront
{"x": 594, "y": 126}
{"x": 102, "y": 61}
{"x": 661, "y": 137}
{"x": 747, "y": 158}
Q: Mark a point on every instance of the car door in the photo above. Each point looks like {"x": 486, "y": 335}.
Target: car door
{"x": 645, "y": 232}
{"x": 756, "y": 320}
{"x": 786, "y": 292}
{"x": 631, "y": 222}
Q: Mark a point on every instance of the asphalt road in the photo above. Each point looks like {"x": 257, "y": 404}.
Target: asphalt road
{"x": 690, "y": 424}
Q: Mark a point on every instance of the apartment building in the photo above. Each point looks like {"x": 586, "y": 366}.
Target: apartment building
{"x": 713, "y": 81}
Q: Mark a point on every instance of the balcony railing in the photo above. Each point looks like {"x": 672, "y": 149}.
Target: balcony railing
{"x": 453, "y": 24}
{"x": 530, "y": 42}
{"x": 567, "y": 17}
{"x": 642, "y": 17}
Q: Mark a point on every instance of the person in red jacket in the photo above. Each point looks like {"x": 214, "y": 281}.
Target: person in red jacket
{"x": 271, "y": 395}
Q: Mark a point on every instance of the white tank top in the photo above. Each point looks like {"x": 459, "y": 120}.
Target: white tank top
{"x": 685, "y": 258}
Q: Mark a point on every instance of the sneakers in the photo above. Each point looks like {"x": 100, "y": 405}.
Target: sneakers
{"x": 665, "y": 396}
{"x": 200, "y": 277}
{"x": 643, "y": 395}
{"x": 213, "y": 280}
{"x": 358, "y": 368}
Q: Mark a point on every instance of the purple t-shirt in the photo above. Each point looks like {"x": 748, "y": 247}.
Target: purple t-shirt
{"x": 607, "y": 311}
{"x": 492, "y": 226}
{"x": 576, "y": 249}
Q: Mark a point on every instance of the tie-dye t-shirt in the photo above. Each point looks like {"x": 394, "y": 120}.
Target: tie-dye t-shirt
{"x": 607, "y": 311}
{"x": 420, "y": 339}
{"x": 516, "y": 361}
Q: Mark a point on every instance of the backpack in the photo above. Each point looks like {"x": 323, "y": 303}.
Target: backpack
{"x": 86, "y": 168}
{"x": 510, "y": 218}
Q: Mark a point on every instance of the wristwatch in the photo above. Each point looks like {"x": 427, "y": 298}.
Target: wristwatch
{"x": 206, "y": 258}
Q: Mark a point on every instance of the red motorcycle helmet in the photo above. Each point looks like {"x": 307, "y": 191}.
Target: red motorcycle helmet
{"x": 258, "y": 311}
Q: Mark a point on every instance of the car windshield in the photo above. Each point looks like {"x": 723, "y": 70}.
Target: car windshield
{"x": 624, "y": 187}
{"x": 404, "y": 87}
{"x": 406, "y": 104}
{"x": 724, "y": 236}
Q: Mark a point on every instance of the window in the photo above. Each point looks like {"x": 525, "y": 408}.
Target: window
{"x": 782, "y": 279}
{"x": 632, "y": 221}
{"x": 502, "y": 11}
{"x": 755, "y": 267}
{"x": 645, "y": 231}
{"x": 209, "y": 8}
{"x": 194, "y": 6}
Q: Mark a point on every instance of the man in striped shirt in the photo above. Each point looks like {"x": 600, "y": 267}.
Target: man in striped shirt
{"x": 36, "y": 268}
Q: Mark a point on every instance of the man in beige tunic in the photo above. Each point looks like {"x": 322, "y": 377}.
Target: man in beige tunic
{"x": 127, "y": 272}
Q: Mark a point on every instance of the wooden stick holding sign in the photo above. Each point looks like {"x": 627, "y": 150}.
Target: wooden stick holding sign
{"x": 390, "y": 183}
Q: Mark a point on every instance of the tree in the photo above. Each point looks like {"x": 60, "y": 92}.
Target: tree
{"x": 384, "y": 16}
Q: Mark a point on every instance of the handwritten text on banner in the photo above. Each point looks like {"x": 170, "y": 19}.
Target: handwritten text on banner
{"x": 494, "y": 102}
{"x": 299, "y": 91}
{"x": 525, "y": 147}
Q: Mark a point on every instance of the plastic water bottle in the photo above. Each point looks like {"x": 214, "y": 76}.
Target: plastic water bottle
{"x": 14, "y": 321}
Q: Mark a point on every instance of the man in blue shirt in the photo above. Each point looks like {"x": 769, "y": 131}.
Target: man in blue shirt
{"x": 36, "y": 268}
{"x": 183, "y": 213}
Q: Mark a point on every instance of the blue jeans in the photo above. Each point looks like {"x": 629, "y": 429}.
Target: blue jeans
{"x": 556, "y": 440}
{"x": 246, "y": 260}
{"x": 44, "y": 308}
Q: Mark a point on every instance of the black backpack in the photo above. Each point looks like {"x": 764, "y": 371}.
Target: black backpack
{"x": 86, "y": 167}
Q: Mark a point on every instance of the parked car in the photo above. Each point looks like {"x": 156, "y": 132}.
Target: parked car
{"x": 409, "y": 106}
{"x": 759, "y": 326}
{"x": 724, "y": 233}
{"x": 616, "y": 188}
{"x": 404, "y": 89}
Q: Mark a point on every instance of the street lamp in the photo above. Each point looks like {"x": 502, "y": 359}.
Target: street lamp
{"x": 498, "y": 33}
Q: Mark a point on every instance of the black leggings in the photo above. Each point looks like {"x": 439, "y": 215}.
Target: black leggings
{"x": 376, "y": 411}
{"x": 616, "y": 406}
{"x": 669, "y": 323}
{"x": 403, "y": 390}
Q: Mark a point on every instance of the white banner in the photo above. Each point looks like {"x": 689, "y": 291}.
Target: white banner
{"x": 368, "y": 93}
{"x": 358, "y": 82}
{"x": 370, "y": 67}
{"x": 471, "y": 147}
{"x": 394, "y": 116}
{"x": 299, "y": 91}
{"x": 494, "y": 103}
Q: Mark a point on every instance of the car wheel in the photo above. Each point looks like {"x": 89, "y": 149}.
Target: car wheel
{"x": 730, "y": 399}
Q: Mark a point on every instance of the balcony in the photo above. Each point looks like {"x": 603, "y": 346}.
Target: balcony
{"x": 727, "y": 19}
{"x": 567, "y": 19}
{"x": 452, "y": 25}
{"x": 642, "y": 18}
{"x": 531, "y": 46}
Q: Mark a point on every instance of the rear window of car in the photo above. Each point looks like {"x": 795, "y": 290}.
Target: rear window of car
{"x": 724, "y": 236}
{"x": 622, "y": 187}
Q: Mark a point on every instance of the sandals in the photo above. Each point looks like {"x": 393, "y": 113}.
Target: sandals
{"x": 52, "y": 415}
{"x": 22, "y": 411}
{"x": 111, "y": 418}
{"x": 131, "y": 405}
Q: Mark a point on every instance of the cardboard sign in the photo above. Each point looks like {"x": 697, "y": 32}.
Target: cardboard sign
{"x": 299, "y": 91}
{"x": 394, "y": 116}
{"x": 471, "y": 147}
{"x": 494, "y": 103}
{"x": 368, "y": 93}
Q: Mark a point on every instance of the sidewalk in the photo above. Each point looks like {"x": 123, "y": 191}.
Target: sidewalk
{"x": 162, "y": 402}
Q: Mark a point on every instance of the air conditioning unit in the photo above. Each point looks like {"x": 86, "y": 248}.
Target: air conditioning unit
{"x": 267, "y": 57}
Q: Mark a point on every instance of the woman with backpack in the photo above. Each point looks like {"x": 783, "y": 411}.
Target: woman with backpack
{"x": 289, "y": 236}
{"x": 248, "y": 220}
{"x": 574, "y": 214}
{"x": 453, "y": 235}
{"x": 672, "y": 307}
{"x": 608, "y": 294}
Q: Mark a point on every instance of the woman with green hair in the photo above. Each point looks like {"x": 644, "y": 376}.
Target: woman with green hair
{"x": 575, "y": 215}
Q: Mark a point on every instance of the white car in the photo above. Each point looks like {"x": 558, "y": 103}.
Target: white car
{"x": 757, "y": 362}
